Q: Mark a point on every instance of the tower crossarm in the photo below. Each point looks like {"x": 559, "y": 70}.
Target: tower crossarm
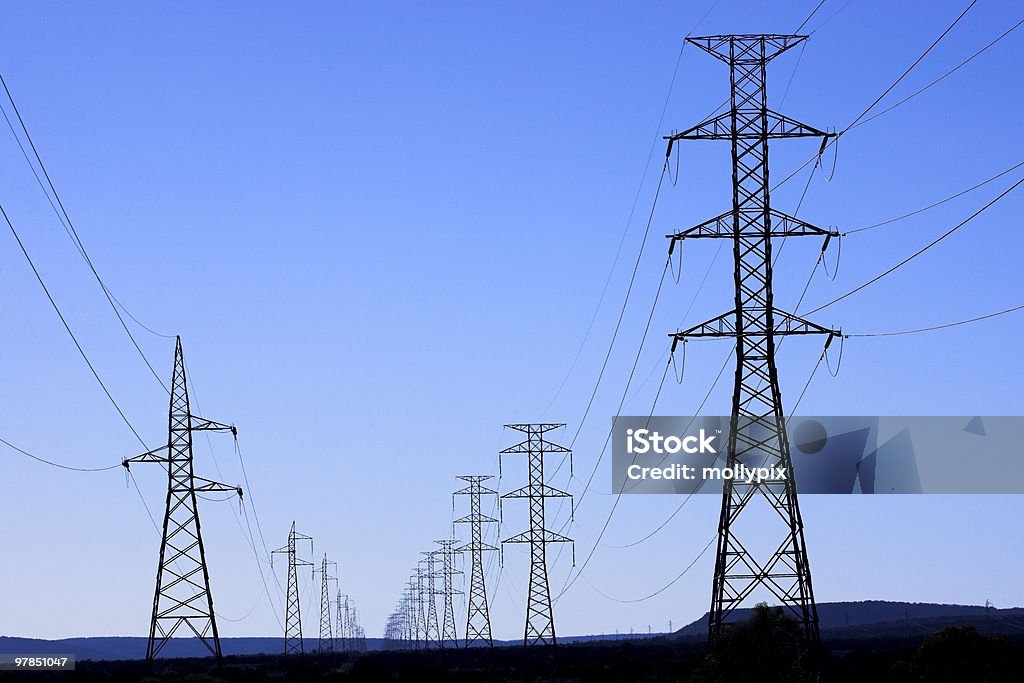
{"x": 154, "y": 455}
{"x": 549, "y": 537}
{"x": 202, "y": 424}
{"x": 725, "y": 326}
{"x": 721, "y": 127}
{"x": 524, "y": 448}
{"x": 724, "y": 225}
{"x": 535, "y": 490}
{"x": 468, "y": 519}
{"x": 746, "y": 48}
{"x": 204, "y": 485}
{"x": 469, "y": 547}
{"x": 469, "y": 490}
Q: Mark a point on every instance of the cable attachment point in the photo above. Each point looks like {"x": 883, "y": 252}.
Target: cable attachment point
{"x": 676, "y": 274}
{"x": 839, "y": 254}
{"x": 839, "y": 361}
{"x": 679, "y": 374}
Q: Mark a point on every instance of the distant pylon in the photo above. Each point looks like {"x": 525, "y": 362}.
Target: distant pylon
{"x": 341, "y": 603}
{"x": 540, "y": 621}
{"x": 432, "y": 632}
{"x": 326, "y": 638}
{"x": 420, "y": 599}
{"x": 448, "y": 570}
{"x": 293, "y": 643}
{"x": 183, "y": 596}
{"x": 771, "y": 557}
{"x": 478, "y": 618}
{"x": 408, "y": 618}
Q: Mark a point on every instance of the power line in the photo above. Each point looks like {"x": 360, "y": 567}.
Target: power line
{"x": 625, "y": 232}
{"x": 625, "y": 301}
{"x": 919, "y": 251}
{"x": 664, "y": 588}
{"x": 69, "y": 227}
{"x": 67, "y": 327}
{"x": 808, "y": 18}
{"x": 935, "y": 204}
{"x": 570, "y": 580}
{"x": 912, "y": 66}
{"x": 831, "y": 16}
{"x": 857, "y": 120}
{"x": 629, "y": 381}
{"x": 938, "y": 327}
{"x": 57, "y": 464}
{"x": 629, "y": 220}
{"x": 940, "y": 78}
{"x": 707, "y": 396}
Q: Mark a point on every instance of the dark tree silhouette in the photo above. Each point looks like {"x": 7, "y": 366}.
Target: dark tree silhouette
{"x": 962, "y": 654}
{"x": 765, "y": 649}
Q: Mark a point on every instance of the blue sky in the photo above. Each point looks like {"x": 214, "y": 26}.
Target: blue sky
{"x": 382, "y": 231}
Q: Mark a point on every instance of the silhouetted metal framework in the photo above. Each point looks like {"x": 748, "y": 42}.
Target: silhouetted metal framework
{"x": 293, "y": 643}
{"x": 416, "y": 609}
{"x": 540, "y": 621}
{"x": 326, "y": 643}
{"x": 423, "y": 589}
{"x": 390, "y": 631}
{"x": 431, "y": 630}
{"x": 183, "y": 597}
{"x": 478, "y": 618}
{"x": 408, "y": 617}
{"x": 449, "y": 636}
{"x": 757, "y": 436}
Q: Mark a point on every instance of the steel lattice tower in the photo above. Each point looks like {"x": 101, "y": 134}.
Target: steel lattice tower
{"x": 757, "y": 434}
{"x": 540, "y": 622}
{"x": 341, "y": 607}
{"x": 430, "y": 625}
{"x": 326, "y": 643}
{"x": 448, "y": 570}
{"x": 293, "y": 643}
{"x": 183, "y": 597}
{"x": 421, "y": 610}
{"x": 478, "y": 618}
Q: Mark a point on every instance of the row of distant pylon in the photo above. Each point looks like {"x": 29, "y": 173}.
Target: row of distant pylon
{"x": 414, "y": 623}
{"x": 344, "y": 634}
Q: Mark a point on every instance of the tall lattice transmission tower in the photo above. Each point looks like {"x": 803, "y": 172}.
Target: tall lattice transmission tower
{"x": 769, "y": 557}
{"x": 478, "y": 618}
{"x": 432, "y": 631}
{"x": 341, "y": 636}
{"x": 540, "y": 621}
{"x": 448, "y": 572}
{"x": 421, "y": 588}
{"x": 293, "y": 643}
{"x": 183, "y": 599}
{"x": 326, "y": 643}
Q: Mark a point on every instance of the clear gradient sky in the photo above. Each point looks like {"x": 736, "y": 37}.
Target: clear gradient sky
{"x": 382, "y": 230}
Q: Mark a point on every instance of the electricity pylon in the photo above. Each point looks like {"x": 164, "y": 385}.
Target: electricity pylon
{"x": 478, "y": 618}
{"x": 183, "y": 596}
{"x": 757, "y": 434}
{"x": 540, "y": 621}
{"x": 430, "y": 626}
{"x": 448, "y": 570}
{"x": 420, "y": 607}
{"x": 341, "y": 607}
{"x": 293, "y": 643}
{"x": 326, "y": 643}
